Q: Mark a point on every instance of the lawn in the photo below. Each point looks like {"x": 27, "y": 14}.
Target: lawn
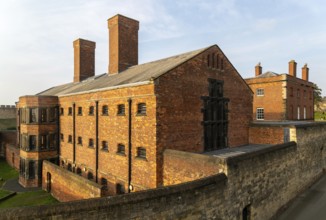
{"x": 29, "y": 199}
{"x": 6, "y": 172}
{"x": 4, "y": 193}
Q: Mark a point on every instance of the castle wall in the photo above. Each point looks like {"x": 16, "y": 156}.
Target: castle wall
{"x": 67, "y": 186}
{"x": 265, "y": 134}
{"x": 7, "y": 111}
{"x": 12, "y": 155}
{"x": 261, "y": 182}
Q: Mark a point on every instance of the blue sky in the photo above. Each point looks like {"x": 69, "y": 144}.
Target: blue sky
{"x": 36, "y": 36}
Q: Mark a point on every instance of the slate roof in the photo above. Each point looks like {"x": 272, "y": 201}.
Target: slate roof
{"x": 135, "y": 74}
{"x": 267, "y": 74}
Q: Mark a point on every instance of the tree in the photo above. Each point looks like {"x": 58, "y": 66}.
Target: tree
{"x": 318, "y": 99}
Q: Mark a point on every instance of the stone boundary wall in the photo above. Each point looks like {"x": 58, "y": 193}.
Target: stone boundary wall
{"x": 7, "y": 111}
{"x": 67, "y": 186}
{"x": 261, "y": 182}
{"x": 7, "y": 139}
{"x": 180, "y": 166}
{"x": 12, "y": 155}
{"x": 262, "y": 134}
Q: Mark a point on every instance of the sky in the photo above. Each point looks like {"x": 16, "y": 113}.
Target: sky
{"x": 36, "y": 50}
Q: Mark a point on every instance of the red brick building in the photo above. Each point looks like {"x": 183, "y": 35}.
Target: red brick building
{"x": 113, "y": 128}
{"x": 282, "y": 96}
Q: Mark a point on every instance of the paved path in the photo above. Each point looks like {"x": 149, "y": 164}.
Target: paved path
{"x": 14, "y": 186}
{"x": 309, "y": 205}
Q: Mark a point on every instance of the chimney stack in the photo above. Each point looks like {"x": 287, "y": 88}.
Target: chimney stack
{"x": 84, "y": 59}
{"x": 123, "y": 43}
{"x": 258, "y": 70}
{"x": 293, "y": 68}
{"x": 305, "y": 72}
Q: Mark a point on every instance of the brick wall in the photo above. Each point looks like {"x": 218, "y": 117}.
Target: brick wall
{"x": 264, "y": 180}
{"x": 67, "y": 186}
{"x": 180, "y": 167}
{"x": 260, "y": 134}
{"x": 112, "y": 128}
{"x": 12, "y": 155}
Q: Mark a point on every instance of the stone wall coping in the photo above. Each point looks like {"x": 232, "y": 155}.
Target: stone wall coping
{"x": 269, "y": 149}
{"x": 192, "y": 155}
{"x": 286, "y": 124}
{"x": 105, "y": 202}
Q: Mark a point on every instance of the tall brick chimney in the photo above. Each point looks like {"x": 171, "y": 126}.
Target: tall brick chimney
{"x": 123, "y": 43}
{"x": 84, "y": 59}
{"x": 293, "y": 68}
{"x": 305, "y": 72}
{"x": 258, "y": 70}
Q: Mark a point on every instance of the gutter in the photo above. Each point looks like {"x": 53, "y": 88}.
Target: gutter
{"x": 96, "y": 142}
{"x": 129, "y": 145}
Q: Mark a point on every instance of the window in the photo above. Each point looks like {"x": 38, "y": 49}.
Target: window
{"x": 291, "y": 91}
{"x": 79, "y": 172}
{"x": 304, "y": 94}
{"x": 120, "y": 189}
{"x": 52, "y": 115}
{"x": 52, "y": 140}
{"x": 298, "y": 93}
{"x": 61, "y": 137}
{"x": 298, "y": 112}
{"x": 31, "y": 170}
{"x": 43, "y": 143}
{"x": 33, "y": 115}
{"x": 70, "y": 111}
{"x": 69, "y": 167}
{"x": 141, "y": 109}
{"x": 69, "y": 139}
{"x": 121, "y": 149}
{"x": 91, "y": 110}
{"x": 141, "y": 152}
{"x": 246, "y": 213}
{"x": 90, "y": 176}
{"x": 80, "y": 141}
{"x": 61, "y": 111}
{"x": 260, "y": 92}
{"x": 80, "y": 111}
{"x": 104, "y": 183}
{"x": 91, "y": 142}
{"x": 105, "y": 110}
{"x": 105, "y": 145}
{"x": 43, "y": 115}
{"x": 260, "y": 114}
{"x": 32, "y": 142}
{"x": 304, "y": 113}
{"x": 121, "y": 109}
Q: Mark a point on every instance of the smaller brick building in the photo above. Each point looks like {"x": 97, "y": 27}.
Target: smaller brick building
{"x": 279, "y": 97}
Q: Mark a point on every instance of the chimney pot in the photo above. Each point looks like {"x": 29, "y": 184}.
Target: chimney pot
{"x": 123, "y": 43}
{"x": 293, "y": 68}
{"x": 84, "y": 59}
{"x": 258, "y": 70}
{"x": 305, "y": 72}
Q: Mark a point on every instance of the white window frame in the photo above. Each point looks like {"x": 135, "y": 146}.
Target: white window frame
{"x": 260, "y": 92}
{"x": 260, "y": 114}
{"x": 304, "y": 113}
{"x": 298, "y": 115}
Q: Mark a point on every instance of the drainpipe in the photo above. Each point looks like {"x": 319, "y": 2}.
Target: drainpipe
{"x": 96, "y": 142}
{"x": 57, "y": 109}
{"x": 74, "y": 131}
{"x": 129, "y": 144}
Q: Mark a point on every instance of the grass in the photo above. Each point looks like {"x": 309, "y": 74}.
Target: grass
{"x": 29, "y": 199}
{"x": 320, "y": 115}
{"x": 8, "y": 124}
{"x": 6, "y": 172}
{"x": 4, "y": 193}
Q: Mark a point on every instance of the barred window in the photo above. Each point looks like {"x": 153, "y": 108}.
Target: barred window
{"x": 69, "y": 139}
{"x": 91, "y": 142}
{"x": 141, "y": 109}
{"x": 43, "y": 115}
{"x": 260, "y": 92}
{"x": 33, "y": 115}
{"x": 43, "y": 143}
{"x": 105, "y": 145}
{"x": 80, "y": 111}
{"x": 120, "y": 189}
{"x": 91, "y": 110}
{"x": 260, "y": 114}
{"x": 31, "y": 170}
{"x": 121, "y": 149}
{"x": 80, "y": 140}
{"x": 105, "y": 110}
{"x": 79, "y": 172}
{"x": 70, "y": 111}
{"x": 121, "y": 109}
{"x": 141, "y": 152}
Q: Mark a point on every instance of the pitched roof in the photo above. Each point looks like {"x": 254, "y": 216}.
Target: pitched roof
{"x": 135, "y": 74}
{"x": 268, "y": 74}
